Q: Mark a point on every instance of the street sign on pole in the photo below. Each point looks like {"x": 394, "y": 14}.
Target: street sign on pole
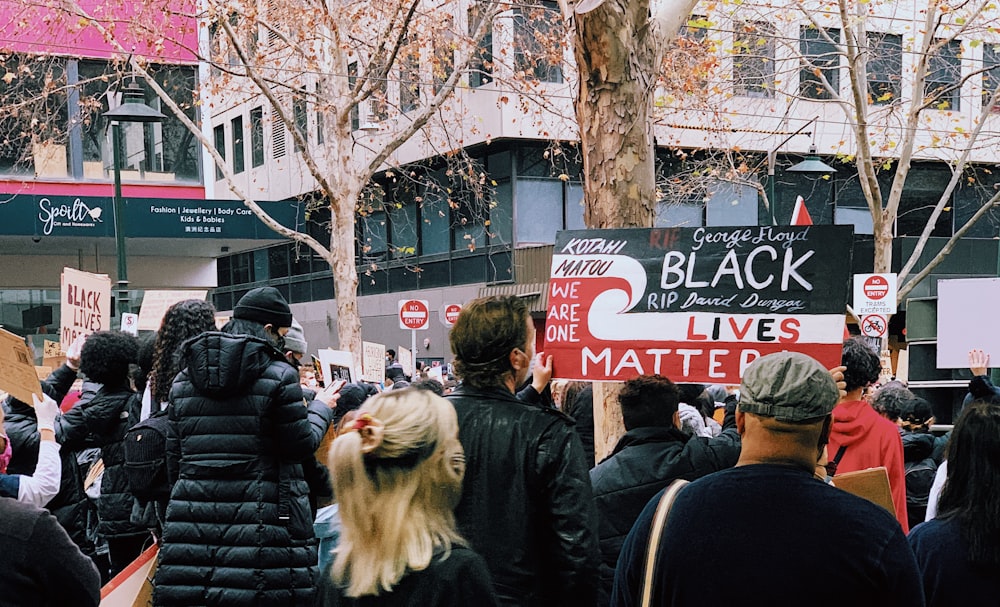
{"x": 414, "y": 314}
{"x": 449, "y": 314}
{"x": 874, "y": 325}
{"x": 874, "y": 294}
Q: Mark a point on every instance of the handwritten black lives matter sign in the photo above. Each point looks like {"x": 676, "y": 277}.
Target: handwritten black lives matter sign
{"x": 695, "y": 304}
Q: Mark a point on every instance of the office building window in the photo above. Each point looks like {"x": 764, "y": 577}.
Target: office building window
{"x": 819, "y": 78}
{"x": 943, "y": 87}
{"x": 753, "y": 59}
{"x": 535, "y": 29}
{"x": 257, "y": 137}
{"x": 481, "y": 64}
{"x": 991, "y": 73}
{"x": 238, "y": 143}
{"x": 301, "y": 117}
{"x": 885, "y": 67}
{"x": 219, "y": 133}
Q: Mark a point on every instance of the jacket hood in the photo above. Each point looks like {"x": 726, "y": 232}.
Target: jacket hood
{"x": 852, "y": 420}
{"x": 917, "y": 446}
{"x": 220, "y": 363}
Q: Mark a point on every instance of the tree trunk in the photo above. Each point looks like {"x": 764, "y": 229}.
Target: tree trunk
{"x": 345, "y": 274}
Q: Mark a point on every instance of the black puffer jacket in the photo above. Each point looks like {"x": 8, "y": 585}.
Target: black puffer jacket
{"x": 644, "y": 461}
{"x": 526, "y": 502}
{"x": 102, "y": 422}
{"x": 70, "y": 505}
{"x": 238, "y": 529}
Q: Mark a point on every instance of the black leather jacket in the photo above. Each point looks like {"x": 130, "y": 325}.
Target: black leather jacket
{"x": 526, "y": 501}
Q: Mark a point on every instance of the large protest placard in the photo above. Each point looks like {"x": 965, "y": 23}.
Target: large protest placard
{"x": 373, "y": 362}
{"x": 337, "y": 364}
{"x": 694, "y": 304}
{"x": 17, "y": 368}
{"x": 156, "y": 303}
{"x": 86, "y": 305}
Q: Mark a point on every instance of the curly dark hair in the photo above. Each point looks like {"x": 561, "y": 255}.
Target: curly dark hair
{"x": 649, "y": 401}
{"x": 862, "y": 362}
{"x": 106, "y": 357}
{"x": 487, "y": 330}
{"x": 183, "y": 320}
{"x": 892, "y": 399}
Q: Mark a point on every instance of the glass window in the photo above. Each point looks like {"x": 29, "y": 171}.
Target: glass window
{"x": 539, "y": 208}
{"x": 257, "y": 136}
{"x": 535, "y": 29}
{"x": 300, "y": 260}
{"x": 242, "y": 264}
{"x": 277, "y": 261}
{"x": 731, "y": 204}
{"x": 574, "y": 206}
{"x": 223, "y": 269}
{"x": 444, "y": 54}
{"x": 819, "y": 50}
{"x": 923, "y": 190}
{"x": 753, "y": 59}
{"x": 501, "y": 214}
{"x": 301, "y": 117}
{"x": 352, "y": 80}
{"x": 219, "y": 133}
{"x": 991, "y": 77}
{"x": 481, "y": 64}
{"x": 320, "y": 106}
{"x": 943, "y": 87}
{"x": 409, "y": 75}
{"x": 435, "y": 218}
{"x": 678, "y": 215}
{"x": 885, "y": 67}
{"x": 374, "y": 245}
{"x": 238, "y": 145}
{"x": 403, "y": 228}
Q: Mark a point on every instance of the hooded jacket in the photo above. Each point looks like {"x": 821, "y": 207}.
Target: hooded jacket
{"x": 870, "y": 441}
{"x": 238, "y": 528}
{"x": 526, "y": 502}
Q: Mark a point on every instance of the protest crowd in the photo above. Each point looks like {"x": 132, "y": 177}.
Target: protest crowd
{"x": 263, "y": 485}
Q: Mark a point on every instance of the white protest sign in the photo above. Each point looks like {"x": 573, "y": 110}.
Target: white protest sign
{"x": 966, "y": 312}
{"x": 373, "y": 364}
{"x": 86, "y": 305}
{"x": 130, "y": 323}
{"x": 337, "y": 364}
{"x": 156, "y": 303}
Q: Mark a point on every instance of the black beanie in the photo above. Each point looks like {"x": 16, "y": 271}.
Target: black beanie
{"x": 264, "y": 305}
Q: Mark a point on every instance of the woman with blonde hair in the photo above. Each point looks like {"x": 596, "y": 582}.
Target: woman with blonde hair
{"x": 397, "y": 475}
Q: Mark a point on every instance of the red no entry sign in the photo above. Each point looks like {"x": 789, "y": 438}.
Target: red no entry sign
{"x": 413, "y": 314}
{"x": 450, "y": 314}
{"x": 876, "y": 287}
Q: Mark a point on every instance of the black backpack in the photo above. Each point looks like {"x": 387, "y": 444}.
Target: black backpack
{"x": 145, "y": 449}
{"x": 919, "y": 478}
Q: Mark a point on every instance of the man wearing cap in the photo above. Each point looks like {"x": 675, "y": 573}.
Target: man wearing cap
{"x": 768, "y": 531}
{"x": 296, "y": 345}
{"x": 238, "y": 527}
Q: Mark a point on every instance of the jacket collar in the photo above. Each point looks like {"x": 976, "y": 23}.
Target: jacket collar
{"x": 495, "y": 393}
{"x": 650, "y": 434}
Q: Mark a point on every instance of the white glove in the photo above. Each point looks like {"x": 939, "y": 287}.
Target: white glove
{"x": 45, "y": 410}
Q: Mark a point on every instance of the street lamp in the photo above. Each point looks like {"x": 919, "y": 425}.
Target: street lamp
{"x": 811, "y": 165}
{"x": 133, "y": 108}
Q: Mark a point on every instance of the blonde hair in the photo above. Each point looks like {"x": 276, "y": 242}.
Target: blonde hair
{"x": 396, "y": 488}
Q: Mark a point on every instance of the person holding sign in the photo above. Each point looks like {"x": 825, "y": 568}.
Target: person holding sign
{"x": 526, "y": 501}
{"x": 43, "y": 485}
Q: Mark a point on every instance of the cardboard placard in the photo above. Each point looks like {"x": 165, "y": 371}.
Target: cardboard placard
{"x": 17, "y": 369}
{"x": 966, "y": 308}
{"x": 86, "y": 305}
{"x": 695, "y": 305}
{"x": 51, "y": 348}
{"x": 405, "y": 358}
{"x": 871, "y": 484}
{"x": 373, "y": 363}
{"x": 133, "y": 586}
{"x": 336, "y": 364}
{"x": 156, "y": 303}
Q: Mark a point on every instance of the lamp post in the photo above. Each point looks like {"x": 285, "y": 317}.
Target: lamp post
{"x": 811, "y": 165}
{"x": 133, "y": 108}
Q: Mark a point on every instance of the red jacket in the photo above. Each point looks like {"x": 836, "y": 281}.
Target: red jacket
{"x": 871, "y": 441}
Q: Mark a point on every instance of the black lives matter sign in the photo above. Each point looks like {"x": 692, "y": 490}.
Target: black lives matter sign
{"x": 695, "y": 304}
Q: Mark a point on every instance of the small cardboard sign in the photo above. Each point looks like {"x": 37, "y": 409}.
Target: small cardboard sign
{"x": 130, "y": 323}
{"x": 405, "y": 358}
{"x": 86, "y": 305}
{"x": 373, "y": 363}
{"x": 51, "y": 348}
{"x": 337, "y": 364}
{"x": 156, "y": 303}
{"x": 17, "y": 369}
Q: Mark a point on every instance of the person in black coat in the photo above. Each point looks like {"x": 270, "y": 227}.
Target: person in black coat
{"x": 101, "y": 421}
{"x": 526, "y": 502}
{"x": 40, "y": 564}
{"x": 652, "y": 454}
{"x": 238, "y": 528}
